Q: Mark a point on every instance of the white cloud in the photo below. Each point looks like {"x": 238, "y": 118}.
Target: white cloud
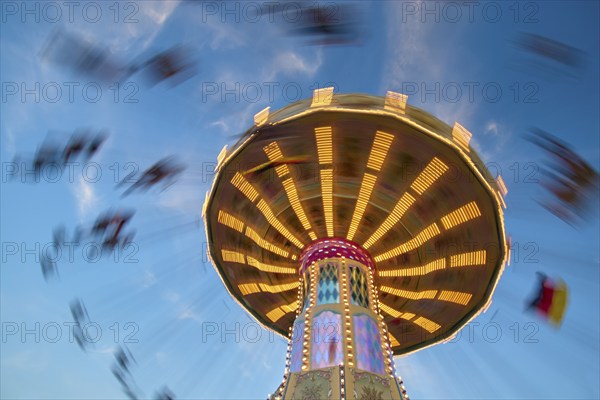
{"x": 171, "y": 296}
{"x": 492, "y": 143}
{"x": 148, "y": 279}
{"x": 223, "y": 35}
{"x": 86, "y": 198}
{"x": 418, "y": 56}
{"x": 420, "y": 60}
{"x": 288, "y": 63}
{"x": 159, "y": 11}
{"x": 161, "y": 357}
{"x": 181, "y": 198}
{"x": 291, "y": 63}
{"x": 189, "y": 313}
{"x": 221, "y": 123}
{"x": 408, "y": 48}
{"x": 134, "y": 36}
{"x": 266, "y": 364}
{"x": 491, "y": 127}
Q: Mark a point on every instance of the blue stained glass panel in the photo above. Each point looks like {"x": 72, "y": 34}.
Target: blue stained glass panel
{"x": 326, "y": 346}
{"x": 306, "y": 289}
{"x": 359, "y": 294}
{"x": 368, "y": 352}
{"x": 328, "y": 286}
{"x": 297, "y": 345}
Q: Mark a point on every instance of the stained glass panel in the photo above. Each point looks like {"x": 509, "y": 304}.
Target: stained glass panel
{"x": 306, "y": 288}
{"x": 369, "y": 355}
{"x": 297, "y": 345}
{"x": 328, "y": 286}
{"x": 358, "y": 287}
{"x": 326, "y": 347}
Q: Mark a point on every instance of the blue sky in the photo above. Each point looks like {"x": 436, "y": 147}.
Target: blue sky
{"x": 165, "y": 294}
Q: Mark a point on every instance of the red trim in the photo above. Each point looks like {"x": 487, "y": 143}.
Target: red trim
{"x": 334, "y": 248}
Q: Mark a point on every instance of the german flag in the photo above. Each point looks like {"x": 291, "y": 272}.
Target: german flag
{"x": 551, "y": 300}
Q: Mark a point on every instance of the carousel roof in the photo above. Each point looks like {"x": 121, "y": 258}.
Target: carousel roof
{"x": 404, "y": 185}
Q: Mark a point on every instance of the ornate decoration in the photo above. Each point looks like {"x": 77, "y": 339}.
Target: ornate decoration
{"x": 371, "y": 377}
{"x": 370, "y": 393}
{"x": 323, "y": 373}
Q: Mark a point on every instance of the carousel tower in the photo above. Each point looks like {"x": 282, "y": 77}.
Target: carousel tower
{"x": 359, "y": 228}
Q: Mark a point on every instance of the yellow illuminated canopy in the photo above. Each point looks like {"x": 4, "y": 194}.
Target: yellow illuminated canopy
{"x": 405, "y": 186}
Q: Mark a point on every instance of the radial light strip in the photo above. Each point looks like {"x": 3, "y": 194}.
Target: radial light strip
{"x": 456, "y": 217}
{"x": 327, "y": 195}
{"x": 423, "y": 322}
{"x": 408, "y": 316}
{"x": 455, "y": 297}
{"x": 379, "y": 151}
{"x": 237, "y": 257}
{"x": 403, "y": 204}
{"x": 381, "y": 145}
{"x": 393, "y": 341}
{"x": 324, "y": 138}
{"x": 423, "y": 236}
{"x": 389, "y": 310}
{"x": 429, "y": 175}
{"x": 432, "y": 171}
{"x": 472, "y": 258}
{"x": 276, "y": 313}
{"x": 292, "y": 193}
{"x": 270, "y": 268}
{"x": 244, "y": 186}
{"x": 230, "y": 221}
{"x": 427, "y": 324}
{"x": 416, "y": 271}
{"x": 366, "y": 188}
{"x": 250, "y": 288}
{"x": 274, "y": 153}
{"x": 233, "y": 256}
{"x": 395, "y": 313}
{"x": 426, "y": 294}
{"x": 256, "y": 238}
{"x": 268, "y": 213}
{"x": 461, "y": 215}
